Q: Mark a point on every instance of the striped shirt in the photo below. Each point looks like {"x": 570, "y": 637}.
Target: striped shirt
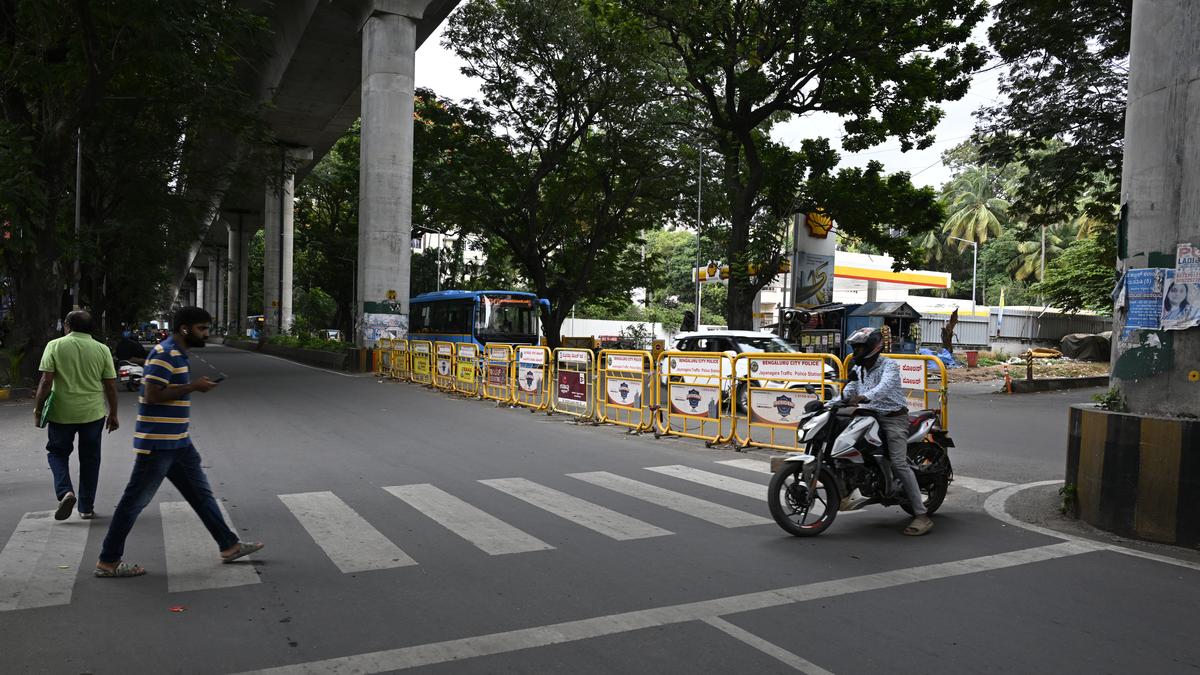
{"x": 163, "y": 426}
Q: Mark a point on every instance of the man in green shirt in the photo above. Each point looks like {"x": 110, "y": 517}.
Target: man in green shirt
{"x": 79, "y": 372}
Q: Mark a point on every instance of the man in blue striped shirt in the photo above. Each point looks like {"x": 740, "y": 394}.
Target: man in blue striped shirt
{"x": 164, "y": 448}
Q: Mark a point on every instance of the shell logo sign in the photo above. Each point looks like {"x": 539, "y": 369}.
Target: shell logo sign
{"x": 819, "y": 224}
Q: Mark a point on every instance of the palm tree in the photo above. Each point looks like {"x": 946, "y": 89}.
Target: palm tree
{"x": 977, "y": 211}
{"x": 933, "y": 245}
{"x": 1028, "y": 263}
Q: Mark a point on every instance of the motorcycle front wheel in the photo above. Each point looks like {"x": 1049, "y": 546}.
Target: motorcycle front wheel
{"x": 787, "y": 499}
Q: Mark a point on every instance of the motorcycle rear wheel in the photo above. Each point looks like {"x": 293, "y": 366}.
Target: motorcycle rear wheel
{"x": 785, "y": 508}
{"x": 934, "y": 496}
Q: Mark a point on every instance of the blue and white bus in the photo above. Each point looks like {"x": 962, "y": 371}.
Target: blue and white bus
{"x": 507, "y": 317}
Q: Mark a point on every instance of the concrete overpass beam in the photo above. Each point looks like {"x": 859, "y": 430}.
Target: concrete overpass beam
{"x": 389, "y": 44}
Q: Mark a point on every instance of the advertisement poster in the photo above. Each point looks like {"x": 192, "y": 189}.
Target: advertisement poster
{"x": 912, "y": 374}
{"x": 814, "y": 280}
{"x": 701, "y": 366}
{"x": 695, "y": 400}
{"x": 787, "y": 369}
{"x": 529, "y": 378}
{"x": 1144, "y": 294}
{"x": 1180, "y": 302}
{"x": 1187, "y": 264}
{"x": 380, "y": 326}
{"x": 420, "y": 363}
{"x": 628, "y": 363}
{"x": 466, "y": 372}
{"x": 625, "y": 393}
{"x": 572, "y": 387}
{"x": 778, "y": 407}
{"x": 497, "y": 375}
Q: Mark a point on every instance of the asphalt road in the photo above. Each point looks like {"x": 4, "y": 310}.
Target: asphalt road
{"x": 515, "y": 542}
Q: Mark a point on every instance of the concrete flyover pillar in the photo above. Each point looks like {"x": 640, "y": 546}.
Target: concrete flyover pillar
{"x": 389, "y": 43}
{"x": 217, "y": 266}
{"x": 234, "y": 283}
{"x": 278, "y": 241}
{"x": 201, "y": 286}
{"x": 1136, "y": 470}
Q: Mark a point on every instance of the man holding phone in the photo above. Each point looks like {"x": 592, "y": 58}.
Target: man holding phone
{"x": 164, "y": 448}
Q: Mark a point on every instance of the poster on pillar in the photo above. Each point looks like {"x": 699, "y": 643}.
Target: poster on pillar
{"x": 383, "y": 320}
{"x": 1180, "y": 302}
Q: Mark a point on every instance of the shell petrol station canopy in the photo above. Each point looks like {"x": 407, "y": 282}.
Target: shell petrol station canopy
{"x": 854, "y": 271}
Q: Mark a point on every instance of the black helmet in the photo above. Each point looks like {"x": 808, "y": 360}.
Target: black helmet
{"x": 866, "y": 342}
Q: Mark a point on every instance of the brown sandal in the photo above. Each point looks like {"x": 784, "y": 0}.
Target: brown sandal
{"x": 919, "y": 526}
{"x": 243, "y": 550}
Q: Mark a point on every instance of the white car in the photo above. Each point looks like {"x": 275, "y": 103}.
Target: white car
{"x": 734, "y": 343}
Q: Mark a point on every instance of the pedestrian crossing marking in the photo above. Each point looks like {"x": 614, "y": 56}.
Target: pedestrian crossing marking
{"x": 488, "y": 533}
{"x": 755, "y": 465}
{"x": 581, "y": 512}
{"x": 193, "y": 561}
{"x": 41, "y": 560}
{"x": 352, "y": 543}
{"x": 714, "y": 480}
{"x": 676, "y": 501}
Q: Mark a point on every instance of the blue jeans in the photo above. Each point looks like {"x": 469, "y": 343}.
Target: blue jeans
{"x": 60, "y": 443}
{"x": 181, "y": 466}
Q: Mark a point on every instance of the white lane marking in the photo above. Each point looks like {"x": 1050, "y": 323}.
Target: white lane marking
{"x": 979, "y": 484}
{"x": 353, "y": 544}
{"x": 995, "y": 505}
{"x": 487, "y": 532}
{"x": 714, "y": 480}
{"x": 40, "y": 562}
{"x": 769, "y": 648}
{"x": 676, "y": 501}
{"x": 755, "y": 465}
{"x": 613, "y": 624}
{"x": 592, "y": 516}
{"x": 193, "y": 561}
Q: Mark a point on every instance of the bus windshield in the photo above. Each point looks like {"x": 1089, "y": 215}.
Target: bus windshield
{"x": 506, "y": 315}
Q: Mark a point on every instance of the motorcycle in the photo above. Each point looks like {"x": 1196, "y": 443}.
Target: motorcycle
{"x": 844, "y": 452}
{"x": 129, "y": 375}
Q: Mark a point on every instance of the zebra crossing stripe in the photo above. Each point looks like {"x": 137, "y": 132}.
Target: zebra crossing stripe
{"x": 676, "y": 501}
{"x": 41, "y": 560}
{"x": 488, "y": 533}
{"x": 755, "y": 465}
{"x": 581, "y": 512}
{"x": 353, "y": 544}
{"x": 193, "y": 561}
{"x": 714, "y": 480}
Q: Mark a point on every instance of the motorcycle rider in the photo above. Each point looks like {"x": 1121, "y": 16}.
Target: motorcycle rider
{"x": 877, "y": 388}
{"x": 129, "y": 349}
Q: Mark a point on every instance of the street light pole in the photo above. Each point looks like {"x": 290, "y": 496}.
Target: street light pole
{"x": 974, "y": 267}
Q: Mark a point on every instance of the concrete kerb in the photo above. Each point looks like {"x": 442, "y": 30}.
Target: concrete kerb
{"x": 15, "y": 393}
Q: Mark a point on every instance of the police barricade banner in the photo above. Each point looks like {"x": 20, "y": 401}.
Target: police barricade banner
{"x": 698, "y": 395}
{"x": 383, "y": 357}
{"x": 466, "y": 379}
{"x": 532, "y": 367}
{"x": 443, "y": 377}
{"x": 497, "y": 375}
{"x": 628, "y": 385}
{"x": 421, "y": 370}
{"x": 776, "y": 388}
{"x": 574, "y": 377}
{"x": 400, "y": 365}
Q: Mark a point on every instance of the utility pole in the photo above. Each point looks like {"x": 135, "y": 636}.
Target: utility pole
{"x": 699, "y": 195}
{"x": 78, "y": 213}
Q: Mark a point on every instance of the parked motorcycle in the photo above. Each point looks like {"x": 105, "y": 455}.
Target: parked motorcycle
{"x": 844, "y": 452}
{"x": 129, "y": 375}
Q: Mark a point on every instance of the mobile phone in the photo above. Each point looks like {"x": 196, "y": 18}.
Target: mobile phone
{"x": 219, "y": 378}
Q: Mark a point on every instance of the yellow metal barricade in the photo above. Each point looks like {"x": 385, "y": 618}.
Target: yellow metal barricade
{"x": 466, "y": 369}
{"x": 771, "y": 392}
{"x": 532, "y": 374}
{"x": 399, "y": 357}
{"x": 575, "y": 377}
{"x": 421, "y": 361}
{"x": 497, "y": 373}
{"x": 628, "y": 384}
{"x": 381, "y": 361}
{"x": 920, "y": 384}
{"x": 443, "y": 372}
{"x": 699, "y": 396}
